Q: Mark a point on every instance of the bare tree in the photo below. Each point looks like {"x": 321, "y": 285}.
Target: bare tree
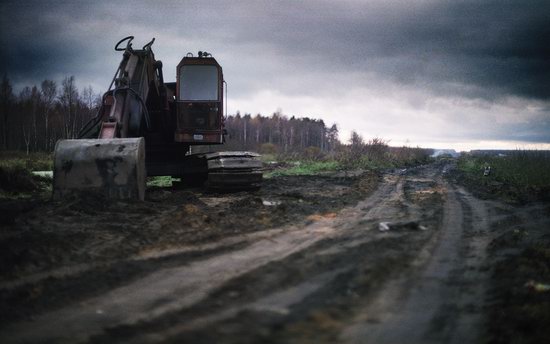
{"x": 91, "y": 100}
{"x": 35, "y": 104}
{"x": 24, "y": 119}
{"x": 6, "y": 102}
{"x": 332, "y": 137}
{"x": 49, "y": 90}
{"x": 68, "y": 101}
{"x": 357, "y": 145}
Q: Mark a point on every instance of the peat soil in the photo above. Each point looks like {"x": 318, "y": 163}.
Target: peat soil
{"x": 406, "y": 255}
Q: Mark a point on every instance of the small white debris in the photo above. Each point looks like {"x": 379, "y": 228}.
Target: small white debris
{"x": 271, "y": 309}
{"x": 487, "y": 171}
{"x": 398, "y": 226}
{"x": 384, "y": 226}
{"x": 271, "y": 203}
{"x": 45, "y": 174}
{"x": 99, "y": 311}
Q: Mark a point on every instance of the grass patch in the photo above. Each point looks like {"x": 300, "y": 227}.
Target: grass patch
{"x": 161, "y": 181}
{"x": 266, "y": 158}
{"x": 519, "y": 175}
{"x": 32, "y": 162}
{"x": 367, "y": 157}
{"x": 306, "y": 168}
{"x": 521, "y": 168}
{"x": 520, "y": 313}
{"x": 16, "y": 177}
{"x": 367, "y": 163}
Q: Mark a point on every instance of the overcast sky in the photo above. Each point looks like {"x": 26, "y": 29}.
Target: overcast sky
{"x": 458, "y": 74}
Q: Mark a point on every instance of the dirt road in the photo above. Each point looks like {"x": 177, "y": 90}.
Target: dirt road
{"x": 347, "y": 258}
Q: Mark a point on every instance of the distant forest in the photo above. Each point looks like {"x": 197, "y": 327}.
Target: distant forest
{"x": 279, "y": 132}
{"x": 38, "y": 116}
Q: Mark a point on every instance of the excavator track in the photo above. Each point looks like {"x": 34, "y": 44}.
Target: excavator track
{"x": 232, "y": 171}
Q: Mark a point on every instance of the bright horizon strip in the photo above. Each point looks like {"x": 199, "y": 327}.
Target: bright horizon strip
{"x": 465, "y": 146}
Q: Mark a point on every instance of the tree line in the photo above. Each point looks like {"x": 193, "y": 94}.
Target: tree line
{"x": 38, "y": 116}
{"x": 279, "y": 132}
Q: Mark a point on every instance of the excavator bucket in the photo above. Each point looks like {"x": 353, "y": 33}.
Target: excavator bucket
{"x": 114, "y": 168}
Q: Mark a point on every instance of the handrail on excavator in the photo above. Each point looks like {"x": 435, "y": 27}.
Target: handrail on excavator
{"x": 148, "y": 45}
{"x": 128, "y": 44}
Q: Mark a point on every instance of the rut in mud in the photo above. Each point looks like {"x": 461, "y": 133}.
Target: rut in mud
{"x": 352, "y": 259}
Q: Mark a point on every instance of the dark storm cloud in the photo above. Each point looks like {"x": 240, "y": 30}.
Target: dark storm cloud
{"x": 491, "y": 48}
{"x": 41, "y": 40}
{"x": 487, "y": 49}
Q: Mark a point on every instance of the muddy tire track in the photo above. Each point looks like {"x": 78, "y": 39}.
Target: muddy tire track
{"x": 440, "y": 303}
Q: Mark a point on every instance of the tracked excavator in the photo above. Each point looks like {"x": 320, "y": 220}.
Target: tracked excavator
{"x": 146, "y": 127}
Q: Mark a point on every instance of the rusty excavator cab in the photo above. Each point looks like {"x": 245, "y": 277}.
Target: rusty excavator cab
{"x": 146, "y": 127}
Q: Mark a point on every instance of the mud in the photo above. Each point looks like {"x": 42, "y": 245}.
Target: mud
{"x": 301, "y": 260}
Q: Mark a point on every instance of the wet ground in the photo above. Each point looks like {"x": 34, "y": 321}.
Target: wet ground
{"x": 403, "y": 256}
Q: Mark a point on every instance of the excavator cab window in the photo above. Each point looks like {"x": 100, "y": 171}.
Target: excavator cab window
{"x": 199, "y": 101}
{"x": 198, "y": 83}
